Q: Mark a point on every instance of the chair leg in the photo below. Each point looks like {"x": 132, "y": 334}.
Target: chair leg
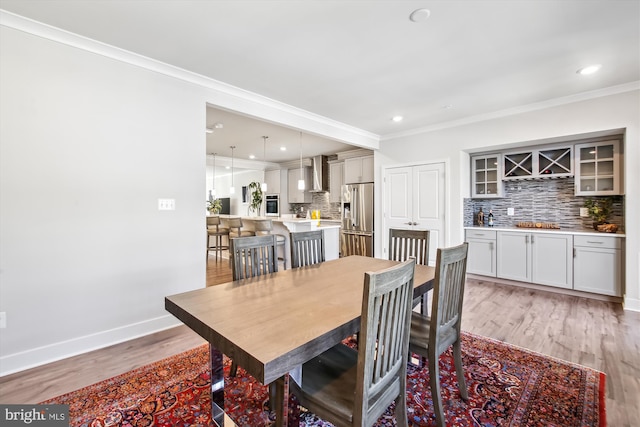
{"x": 434, "y": 381}
{"x": 401, "y": 406}
{"x": 234, "y": 369}
{"x": 457, "y": 357}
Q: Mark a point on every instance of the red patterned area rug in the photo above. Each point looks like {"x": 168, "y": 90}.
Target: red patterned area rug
{"x": 508, "y": 386}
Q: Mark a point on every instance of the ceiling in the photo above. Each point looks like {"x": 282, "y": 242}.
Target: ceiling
{"x": 362, "y": 62}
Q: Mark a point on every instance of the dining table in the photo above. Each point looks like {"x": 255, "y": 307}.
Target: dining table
{"x": 271, "y": 324}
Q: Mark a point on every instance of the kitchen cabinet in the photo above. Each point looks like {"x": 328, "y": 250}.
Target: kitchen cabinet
{"x": 295, "y": 195}
{"x": 597, "y": 264}
{"x": 541, "y": 258}
{"x": 358, "y": 170}
{"x": 598, "y": 169}
{"x": 554, "y": 162}
{"x": 486, "y": 176}
{"x": 336, "y": 181}
{"x": 272, "y": 178}
{"x": 481, "y": 258}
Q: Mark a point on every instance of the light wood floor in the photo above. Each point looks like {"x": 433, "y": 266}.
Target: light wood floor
{"x": 593, "y": 333}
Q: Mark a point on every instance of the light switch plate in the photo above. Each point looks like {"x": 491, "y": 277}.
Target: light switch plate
{"x": 166, "y": 204}
{"x": 510, "y": 211}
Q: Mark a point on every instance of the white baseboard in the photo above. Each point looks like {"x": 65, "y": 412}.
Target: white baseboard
{"x": 50, "y": 353}
{"x": 631, "y": 304}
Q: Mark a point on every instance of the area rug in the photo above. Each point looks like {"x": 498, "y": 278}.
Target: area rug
{"x": 508, "y": 386}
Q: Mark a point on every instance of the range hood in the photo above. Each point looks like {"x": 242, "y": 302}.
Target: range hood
{"x": 320, "y": 166}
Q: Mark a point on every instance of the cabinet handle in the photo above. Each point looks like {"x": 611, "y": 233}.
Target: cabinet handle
{"x": 574, "y": 252}
{"x": 526, "y": 239}
{"x": 589, "y": 241}
{"x": 532, "y": 240}
{"x": 490, "y": 246}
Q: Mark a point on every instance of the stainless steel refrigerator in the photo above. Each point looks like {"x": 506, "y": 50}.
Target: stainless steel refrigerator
{"x": 356, "y": 237}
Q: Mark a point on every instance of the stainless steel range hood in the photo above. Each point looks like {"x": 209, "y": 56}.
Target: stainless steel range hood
{"x": 320, "y": 174}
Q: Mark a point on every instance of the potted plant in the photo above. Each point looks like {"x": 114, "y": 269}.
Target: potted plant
{"x": 599, "y": 210}
{"x": 256, "y": 197}
{"x": 214, "y": 206}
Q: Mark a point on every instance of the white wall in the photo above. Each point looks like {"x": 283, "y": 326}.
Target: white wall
{"x": 620, "y": 111}
{"x": 90, "y": 138}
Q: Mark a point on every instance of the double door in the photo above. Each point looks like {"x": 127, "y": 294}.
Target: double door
{"x": 415, "y": 199}
{"x": 542, "y": 258}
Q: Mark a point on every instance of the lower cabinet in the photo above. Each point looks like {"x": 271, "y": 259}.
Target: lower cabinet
{"x": 597, "y": 264}
{"x": 481, "y": 258}
{"x": 542, "y": 258}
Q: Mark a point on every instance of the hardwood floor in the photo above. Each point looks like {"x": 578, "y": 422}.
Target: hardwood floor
{"x": 594, "y": 333}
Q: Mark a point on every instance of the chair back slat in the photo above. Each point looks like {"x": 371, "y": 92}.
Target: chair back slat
{"x": 409, "y": 243}
{"x": 253, "y": 256}
{"x": 307, "y": 248}
{"x": 384, "y": 336}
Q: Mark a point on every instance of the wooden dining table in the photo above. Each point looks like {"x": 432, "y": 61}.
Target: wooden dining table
{"x": 271, "y": 324}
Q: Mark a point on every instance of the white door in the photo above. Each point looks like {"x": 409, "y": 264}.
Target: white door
{"x": 415, "y": 199}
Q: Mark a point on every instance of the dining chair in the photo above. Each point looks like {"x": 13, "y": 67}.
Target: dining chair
{"x": 217, "y": 232}
{"x": 349, "y": 387}
{"x": 431, "y": 336}
{"x": 253, "y": 256}
{"x": 264, "y": 227}
{"x": 307, "y": 248}
{"x": 411, "y": 243}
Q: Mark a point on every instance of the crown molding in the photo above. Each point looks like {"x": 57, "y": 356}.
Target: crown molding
{"x": 227, "y": 96}
{"x": 583, "y": 96}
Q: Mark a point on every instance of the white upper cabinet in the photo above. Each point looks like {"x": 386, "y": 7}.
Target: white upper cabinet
{"x": 358, "y": 170}
{"x": 336, "y": 180}
{"x": 486, "y": 176}
{"x": 272, "y": 178}
{"x": 598, "y": 169}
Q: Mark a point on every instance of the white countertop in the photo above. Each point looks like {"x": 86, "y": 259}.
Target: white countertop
{"x": 582, "y": 231}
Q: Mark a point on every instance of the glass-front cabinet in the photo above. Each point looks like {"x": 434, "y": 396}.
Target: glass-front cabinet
{"x": 598, "y": 169}
{"x": 486, "y": 176}
{"x": 554, "y": 162}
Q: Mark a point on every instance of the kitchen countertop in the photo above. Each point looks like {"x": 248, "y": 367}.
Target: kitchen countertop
{"x": 582, "y": 231}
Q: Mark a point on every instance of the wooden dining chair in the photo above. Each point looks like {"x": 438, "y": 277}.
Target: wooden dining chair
{"x": 307, "y": 248}
{"x": 431, "y": 336}
{"x": 411, "y": 243}
{"x": 215, "y": 231}
{"x": 252, "y": 256}
{"x": 349, "y": 387}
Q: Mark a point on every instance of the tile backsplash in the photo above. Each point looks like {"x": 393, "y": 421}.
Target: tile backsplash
{"x": 540, "y": 200}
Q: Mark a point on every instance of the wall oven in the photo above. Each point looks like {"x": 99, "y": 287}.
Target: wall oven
{"x": 272, "y": 205}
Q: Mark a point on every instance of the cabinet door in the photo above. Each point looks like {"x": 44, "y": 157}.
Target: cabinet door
{"x": 552, "y": 259}
{"x": 272, "y": 178}
{"x": 367, "y": 169}
{"x": 598, "y": 270}
{"x": 358, "y": 170}
{"x": 482, "y": 257}
{"x": 598, "y": 169}
{"x": 336, "y": 180}
{"x": 514, "y": 258}
{"x": 486, "y": 176}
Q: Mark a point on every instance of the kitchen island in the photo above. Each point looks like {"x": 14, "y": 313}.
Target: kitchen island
{"x": 286, "y": 225}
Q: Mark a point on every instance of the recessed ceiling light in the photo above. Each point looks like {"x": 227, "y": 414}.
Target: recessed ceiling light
{"x": 251, "y": 156}
{"x": 283, "y": 148}
{"x": 397, "y": 119}
{"x": 447, "y": 107}
{"x": 589, "y": 69}
{"x": 209, "y": 130}
{"x": 218, "y": 125}
{"x": 420, "y": 15}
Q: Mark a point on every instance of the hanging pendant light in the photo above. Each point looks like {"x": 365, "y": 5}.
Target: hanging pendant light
{"x": 232, "y": 189}
{"x": 301, "y": 184}
{"x": 264, "y": 159}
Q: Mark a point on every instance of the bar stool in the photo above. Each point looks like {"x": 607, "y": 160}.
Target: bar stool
{"x": 265, "y": 227}
{"x": 214, "y": 230}
{"x": 235, "y": 228}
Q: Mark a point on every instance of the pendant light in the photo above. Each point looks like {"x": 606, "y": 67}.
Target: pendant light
{"x": 232, "y": 189}
{"x": 301, "y": 184}
{"x": 264, "y": 159}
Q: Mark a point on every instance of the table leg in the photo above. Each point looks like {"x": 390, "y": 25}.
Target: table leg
{"x": 217, "y": 385}
{"x": 282, "y": 401}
